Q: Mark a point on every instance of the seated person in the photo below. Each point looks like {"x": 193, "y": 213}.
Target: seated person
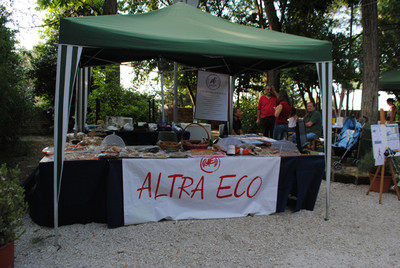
{"x": 313, "y": 122}
{"x": 237, "y": 124}
{"x": 292, "y": 120}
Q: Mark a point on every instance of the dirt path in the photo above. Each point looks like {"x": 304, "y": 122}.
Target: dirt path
{"x": 26, "y": 154}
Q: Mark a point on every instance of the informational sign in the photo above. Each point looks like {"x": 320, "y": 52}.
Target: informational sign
{"x": 199, "y": 188}
{"x": 384, "y": 137}
{"x": 212, "y": 96}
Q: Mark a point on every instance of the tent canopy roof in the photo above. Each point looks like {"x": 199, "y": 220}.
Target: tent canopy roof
{"x": 390, "y": 80}
{"x": 189, "y": 36}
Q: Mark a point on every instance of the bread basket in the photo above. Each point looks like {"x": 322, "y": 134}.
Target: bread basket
{"x": 195, "y": 144}
{"x": 169, "y": 146}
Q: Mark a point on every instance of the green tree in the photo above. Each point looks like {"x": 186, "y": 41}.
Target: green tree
{"x": 249, "y": 109}
{"x": 14, "y": 101}
{"x": 389, "y": 34}
{"x": 43, "y": 72}
{"x": 114, "y": 100}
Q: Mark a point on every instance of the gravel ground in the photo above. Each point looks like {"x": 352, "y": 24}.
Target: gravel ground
{"x": 360, "y": 233}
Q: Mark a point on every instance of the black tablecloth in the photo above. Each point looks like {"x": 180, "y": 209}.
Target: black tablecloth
{"x": 91, "y": 190}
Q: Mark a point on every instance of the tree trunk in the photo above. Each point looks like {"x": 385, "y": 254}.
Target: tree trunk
{"x": 369, "y": 103}
{"x": 273, "y": 20}
{"x": 110, "y": 7}
{"x": 191, "y": 95}
{"x": 272, "y": 77}
{"x": 301, "y": 93}
{"x": 260, "y": 13}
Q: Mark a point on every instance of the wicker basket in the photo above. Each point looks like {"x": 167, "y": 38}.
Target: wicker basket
{"x": 169, "y": 146}
{"x": 195, "y": 144}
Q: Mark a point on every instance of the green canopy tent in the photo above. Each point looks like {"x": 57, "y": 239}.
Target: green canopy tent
{"x": 390, "y": 80}
{"x": 186, "y": 35}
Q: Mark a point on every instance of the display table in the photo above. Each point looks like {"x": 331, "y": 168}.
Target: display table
{"x": 142, "y": 137}
{"x": 92, "y": 190}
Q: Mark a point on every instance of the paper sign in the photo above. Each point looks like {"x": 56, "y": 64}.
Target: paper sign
{"x": 384, "y": 137}
{"x": 392, "y": 134}
{"x": 212, "y": 96}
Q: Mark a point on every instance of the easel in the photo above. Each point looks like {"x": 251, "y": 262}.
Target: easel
{"x": 383, "y": 121}
{"x": 381, "y": 182}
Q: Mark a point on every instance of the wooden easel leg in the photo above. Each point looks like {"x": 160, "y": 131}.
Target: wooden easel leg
{"x": 381, "y": 185}
{"x": 394, "y": 179}
{"x": 373, "y": 179}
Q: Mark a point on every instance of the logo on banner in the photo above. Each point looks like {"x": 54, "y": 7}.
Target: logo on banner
{"x": 210, "y": 164}
{"x": 213, "y": 81}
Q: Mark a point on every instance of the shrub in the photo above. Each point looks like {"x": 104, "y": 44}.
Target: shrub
{"x": 12, "y": 205}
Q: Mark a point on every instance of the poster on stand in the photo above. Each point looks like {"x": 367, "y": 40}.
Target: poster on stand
{"x": 384, "y": 137}
{"x": 392, "y": 134}
{"x": 212, "y": 96}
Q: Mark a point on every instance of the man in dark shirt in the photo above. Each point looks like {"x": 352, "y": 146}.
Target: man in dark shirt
{"x": 313, "y": 122}
{"x": 236, "y": 124}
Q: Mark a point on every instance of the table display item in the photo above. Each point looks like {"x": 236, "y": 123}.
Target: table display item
{"x": 178, "y": 155}
{"x": 169, "y": 146}
{"x": 196, "y": 153}
{"x": 195, "y": 144}
{"x": 113, "y": 140}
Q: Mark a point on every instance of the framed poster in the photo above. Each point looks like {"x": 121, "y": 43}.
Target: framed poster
{"x": 212, "y": 96}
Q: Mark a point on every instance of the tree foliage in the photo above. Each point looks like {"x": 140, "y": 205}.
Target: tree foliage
{"x": 14, "y": 99}
{"x": 314, "y": 19}
{"x": 248, "y": 105}
{"x": 389, "y": 34}
{"x": 114, "y": 100}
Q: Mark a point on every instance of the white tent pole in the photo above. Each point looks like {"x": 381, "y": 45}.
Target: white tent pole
{"x": 325, "y": 81}
{"x": 88, "y": 75}
{"x": 67, "y": 64}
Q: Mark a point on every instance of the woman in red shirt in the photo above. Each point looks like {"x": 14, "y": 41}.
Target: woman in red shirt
{"x": 282, "y": 113}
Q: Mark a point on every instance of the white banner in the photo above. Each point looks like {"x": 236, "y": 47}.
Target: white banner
{"x": 199, "y": 188}
{"x": 212, "y": 96}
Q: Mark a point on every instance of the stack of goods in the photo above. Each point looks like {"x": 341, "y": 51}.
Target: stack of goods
{"x": 83, "y": 147}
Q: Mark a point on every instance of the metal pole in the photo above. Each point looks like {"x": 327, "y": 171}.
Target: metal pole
{"x": 55, "y": 201}
{"x": 175, "y": 92}
{"x": 230, "y": 103}
{"x": 149, "y": 101}
{"x": 162, "y": 97}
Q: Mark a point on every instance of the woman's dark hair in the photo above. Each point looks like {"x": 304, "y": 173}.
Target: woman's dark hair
{"x": 283, "y": 96}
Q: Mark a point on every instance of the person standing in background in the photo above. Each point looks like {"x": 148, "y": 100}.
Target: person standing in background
{"x": 391, "y": 115}
{"x": 282, "y": 113}
{"x": 266, "y": 111}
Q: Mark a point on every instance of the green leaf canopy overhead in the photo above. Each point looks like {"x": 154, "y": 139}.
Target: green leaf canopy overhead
{"x": 191, "y": 37}
{"x": 390, "y": 80}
